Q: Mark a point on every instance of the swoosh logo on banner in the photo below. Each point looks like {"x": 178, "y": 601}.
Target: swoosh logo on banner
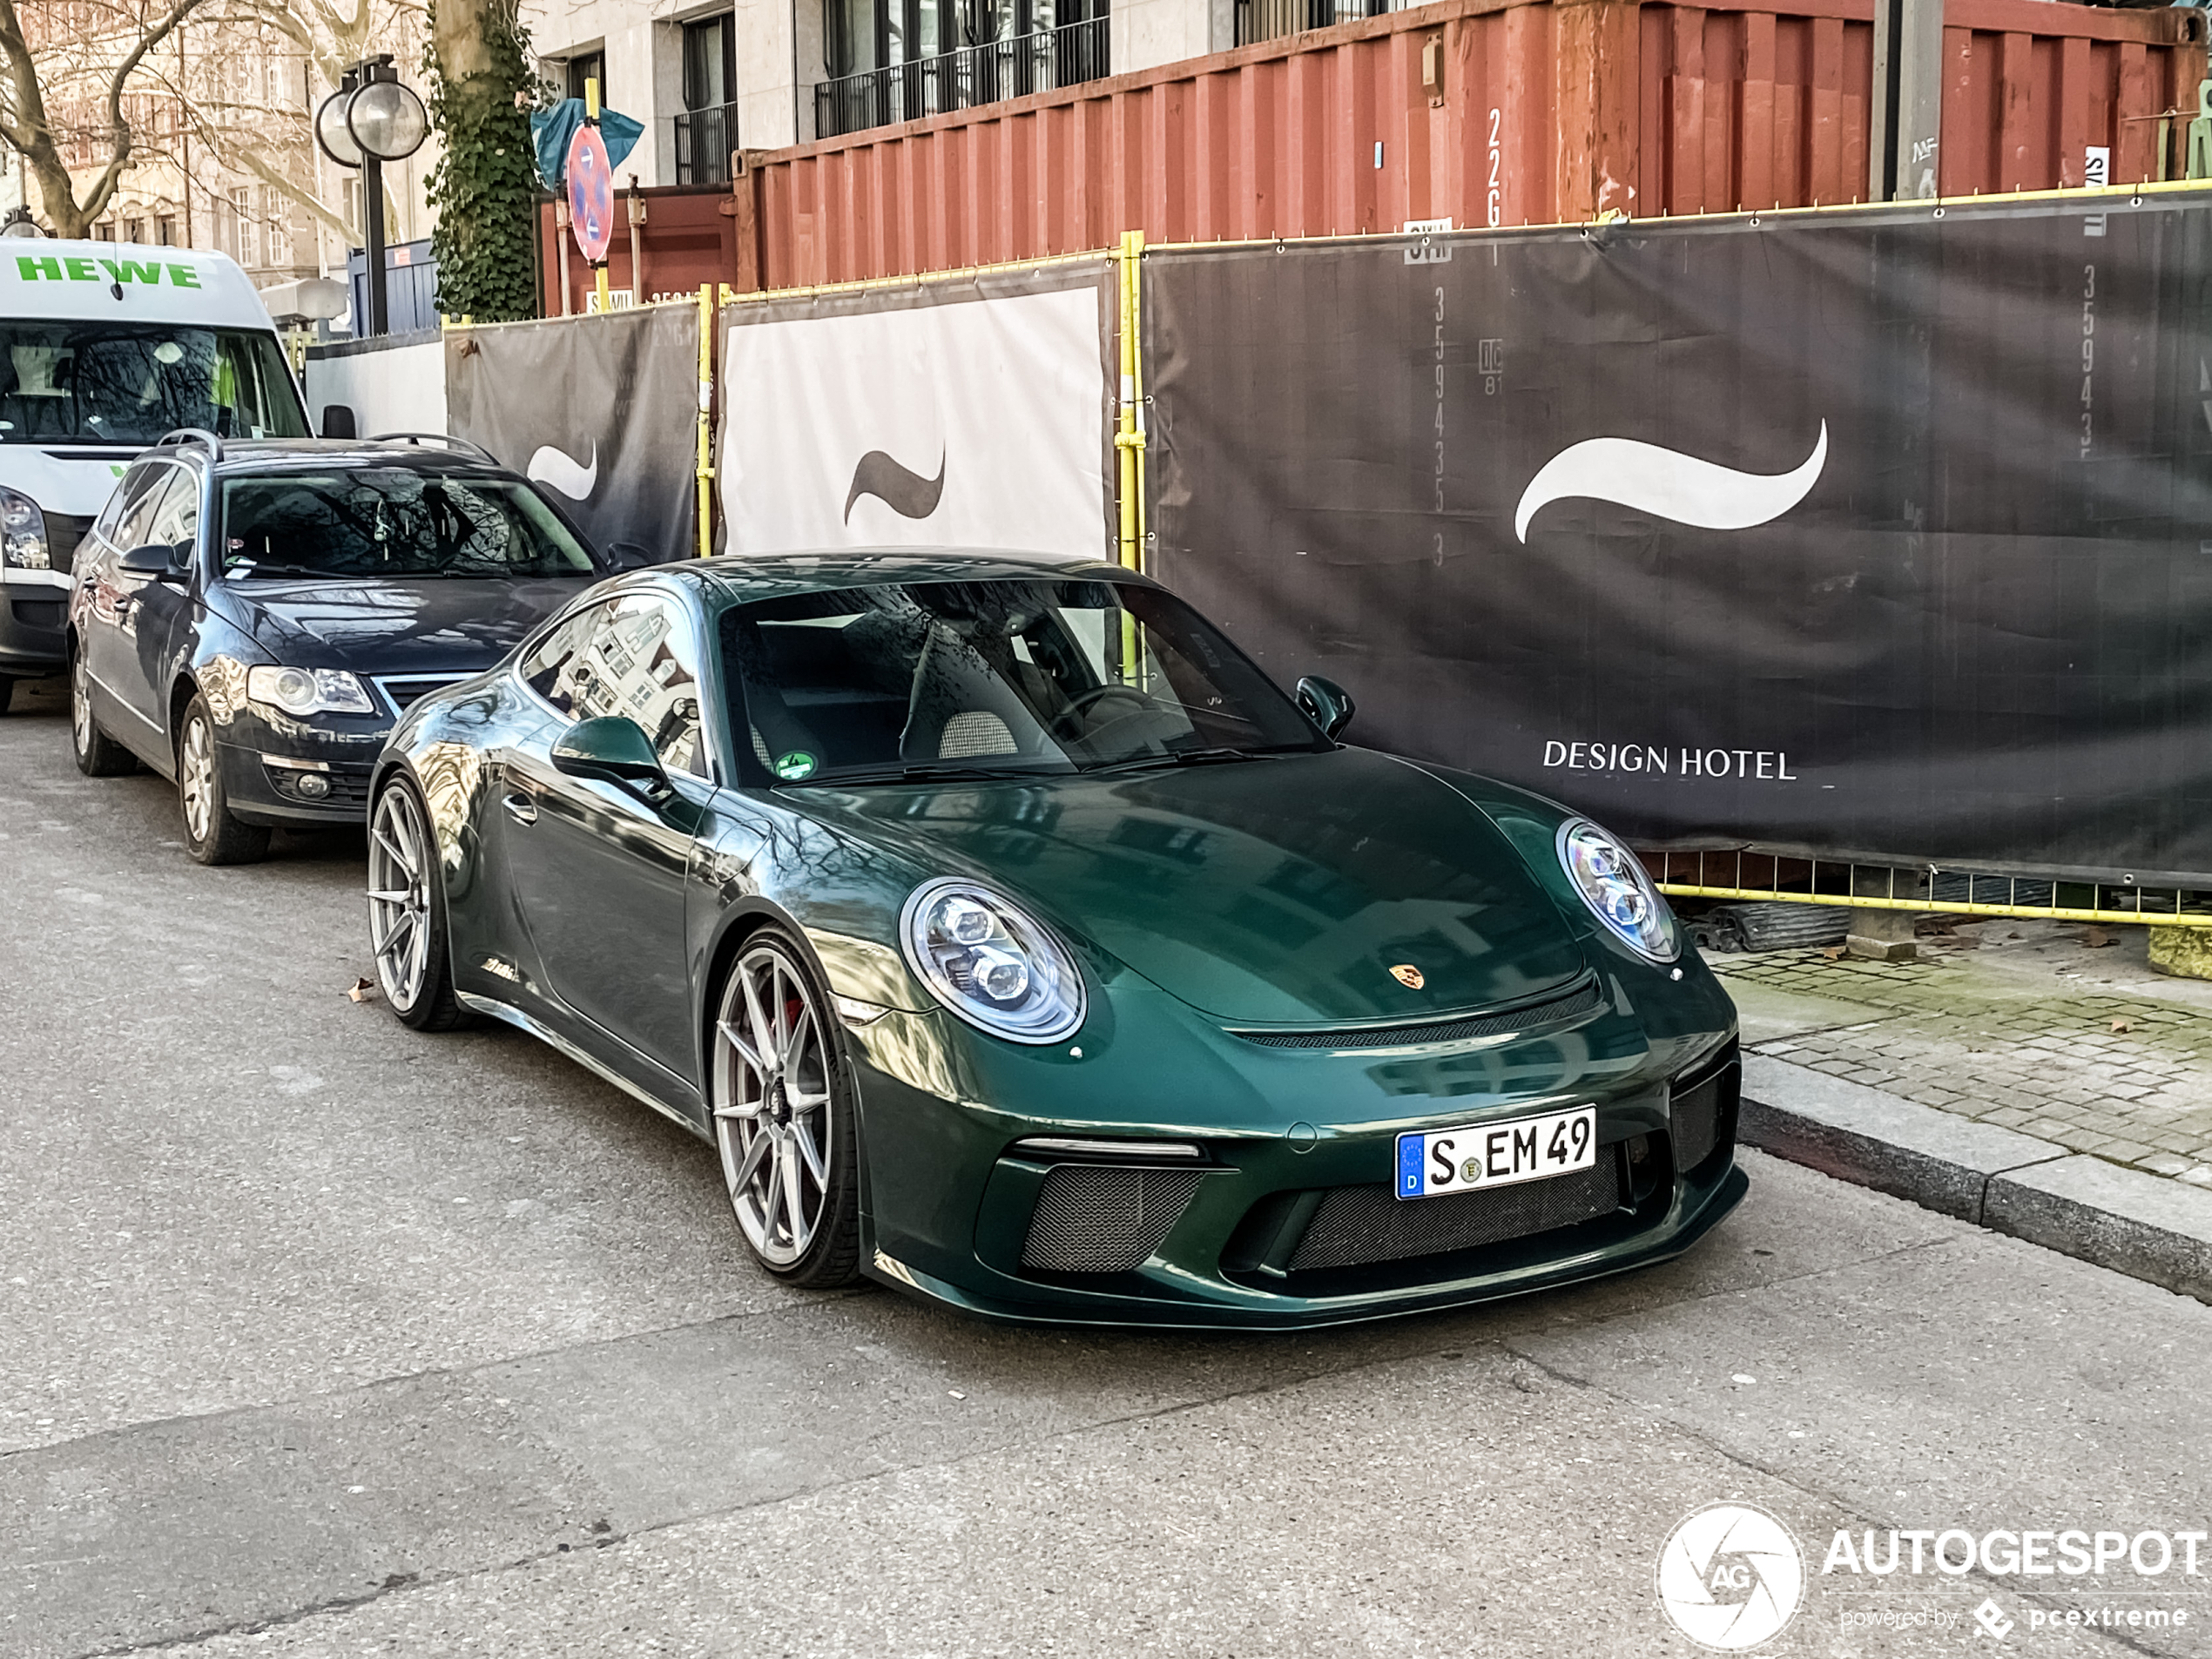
{"x": 907, "y": 494}
{"x": 557, "y": 469}
{"x": 1648, "y": 479}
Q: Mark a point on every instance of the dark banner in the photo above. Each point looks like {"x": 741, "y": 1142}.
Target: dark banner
{"x": 1877, "y": 534}
{"x": 602, "y": 411}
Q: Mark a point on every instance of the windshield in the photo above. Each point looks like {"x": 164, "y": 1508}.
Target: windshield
{"x": 992, "y": 677}
{"x": 130, "y": 383}
{"x": 392, "y": 521}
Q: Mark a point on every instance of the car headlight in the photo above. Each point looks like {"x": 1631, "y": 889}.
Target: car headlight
{"x": 23, "y": 533}
{"x": 308, "y": 691}
{"x": 991, "y": 964}
{"x": 1617, "y": 891}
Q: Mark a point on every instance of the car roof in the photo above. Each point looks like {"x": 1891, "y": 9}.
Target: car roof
{"x": 266, "y": 455}
{"x": 740, "y": 578}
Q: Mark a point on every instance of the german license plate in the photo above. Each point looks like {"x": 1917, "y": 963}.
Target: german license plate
{"x": 1432, "y": 1163}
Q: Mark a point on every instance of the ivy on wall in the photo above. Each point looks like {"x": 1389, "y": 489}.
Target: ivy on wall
{"x": 484, "y": 185}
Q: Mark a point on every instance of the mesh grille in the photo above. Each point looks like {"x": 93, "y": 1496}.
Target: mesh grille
{"x": 1392, "y": 1036}
{"x": 402, "y": 690}
{"x": 1357, "y": 1226}
{"x": 1097, "y": 1219}
{"x": 1697, "y": 1113}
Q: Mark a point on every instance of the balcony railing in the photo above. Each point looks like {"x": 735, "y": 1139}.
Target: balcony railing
{"x": 959, "y": 80}
{"x": 1258, "y": 20}
{"x": 704, "y": 140}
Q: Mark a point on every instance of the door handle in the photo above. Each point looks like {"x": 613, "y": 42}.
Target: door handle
{"x": 521, "y": 808}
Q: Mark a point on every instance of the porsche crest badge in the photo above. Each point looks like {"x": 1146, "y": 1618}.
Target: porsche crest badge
{"x": 1408, "y": 975}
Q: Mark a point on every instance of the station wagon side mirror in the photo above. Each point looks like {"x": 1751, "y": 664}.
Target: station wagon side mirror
{"x": 155, "y": 559}
{"x": 338, "y": 421}
{"x": 1327, "y": 704}
{"x": 613, "y": 748}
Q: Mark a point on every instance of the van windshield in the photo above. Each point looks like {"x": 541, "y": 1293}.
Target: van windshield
{"x": 130, "y": 383}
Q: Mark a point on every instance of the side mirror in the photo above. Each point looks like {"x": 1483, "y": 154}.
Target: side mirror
{"x": 338, "y": 421}
{"x": 627, "y": 556}
{"x": 155, "y": 559}
{"x": 1327, "y": 704}
{"x": 614, "y": 748}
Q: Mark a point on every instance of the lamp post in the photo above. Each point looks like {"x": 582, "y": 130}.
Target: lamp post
{"x": 369, "y": 120}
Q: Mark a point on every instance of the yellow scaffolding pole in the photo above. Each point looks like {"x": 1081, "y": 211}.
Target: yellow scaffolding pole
{"x": 1129, "y": 438}
{"x": 706, "y": 419}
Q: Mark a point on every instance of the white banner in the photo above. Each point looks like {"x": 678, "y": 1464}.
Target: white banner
{"x": 974, "y": 423}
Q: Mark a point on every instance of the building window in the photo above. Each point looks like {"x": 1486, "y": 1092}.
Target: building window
{"x": 166, "y": 230}
{"x": 591, "y": 66}
{"x": 707, "y": 130}
{"x": 134, "y": 229}
{"x": 105, "y": 231}
{"x": 899, "y": 60}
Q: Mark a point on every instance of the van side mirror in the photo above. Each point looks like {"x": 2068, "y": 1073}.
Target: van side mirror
{"x": 155, "y": 559}
{"x": 338, "y": 421}
{"x": 1327, "y": 704}
{"x": 613, "y": 748}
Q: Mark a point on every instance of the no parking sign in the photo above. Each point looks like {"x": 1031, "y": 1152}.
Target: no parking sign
{"x": 591, "y": 194}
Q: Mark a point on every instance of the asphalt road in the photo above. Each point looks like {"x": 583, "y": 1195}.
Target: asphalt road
{"x": 318, "y": 1337}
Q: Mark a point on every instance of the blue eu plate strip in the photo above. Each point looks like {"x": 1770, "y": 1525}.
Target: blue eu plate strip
{"x": 1409, "y": 1165}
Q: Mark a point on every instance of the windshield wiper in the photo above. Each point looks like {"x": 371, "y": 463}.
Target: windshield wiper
{"x": 248, "y": 572}
{"x": 926, "y": 772}
{"x": 1208, "y": 757}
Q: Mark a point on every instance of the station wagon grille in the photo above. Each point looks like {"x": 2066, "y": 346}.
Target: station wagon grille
{"x": 1358, "y": 1226}
{"x": 1573, "y": 1005}
{"x": 1094, "y": 1218}
{"x": 401, "y": 690}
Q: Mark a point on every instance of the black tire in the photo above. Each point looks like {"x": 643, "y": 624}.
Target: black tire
{"x": 408, "y": 937}
{"x": 98, "y": 754}
{"x": 212, "y": 833}
{"x": 750, "y": 1108}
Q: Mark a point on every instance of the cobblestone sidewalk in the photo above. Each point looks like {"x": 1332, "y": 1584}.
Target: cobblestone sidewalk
{"x": 2033, "y": 1026}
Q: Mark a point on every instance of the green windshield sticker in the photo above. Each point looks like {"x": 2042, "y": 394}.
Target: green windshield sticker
{"x": 794, "y": 766}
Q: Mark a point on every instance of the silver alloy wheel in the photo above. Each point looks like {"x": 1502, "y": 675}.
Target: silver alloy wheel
{"x": 196, "y": 773}
{"x": 772, "y": 1104}
{"x": 399, "y": 896}
{"x": 80, "y": 704}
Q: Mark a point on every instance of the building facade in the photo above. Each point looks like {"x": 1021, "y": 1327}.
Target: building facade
{"x": 721, "y": 75}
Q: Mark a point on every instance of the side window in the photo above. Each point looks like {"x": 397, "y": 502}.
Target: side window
{"x": 636, "y": 656}
{"x": 137, "y": 484}
{"x": 175, "y": 518}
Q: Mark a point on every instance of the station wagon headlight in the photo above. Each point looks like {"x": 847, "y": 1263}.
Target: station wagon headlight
{"x": 1617, "y": 891}
{"x": 991, "y": 963}
{"x": 23, "y": 533}
{"x": 307, "y": 690}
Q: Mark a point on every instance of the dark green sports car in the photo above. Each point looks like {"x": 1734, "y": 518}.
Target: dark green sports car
{"x": 1016, "y": 941}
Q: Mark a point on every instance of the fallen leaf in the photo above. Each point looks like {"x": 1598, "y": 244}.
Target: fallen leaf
{"x": 2122, "y": 1025}
{"x": 2097, "y": 938}
{"x": 361, "y": 990}
{"x": 1832, "y": 952}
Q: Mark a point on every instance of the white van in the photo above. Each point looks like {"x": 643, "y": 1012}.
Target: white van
{"x": 105, "y": 347}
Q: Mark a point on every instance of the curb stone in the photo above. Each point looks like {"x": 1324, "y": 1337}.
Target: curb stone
{"x": 2143, "y": 1225}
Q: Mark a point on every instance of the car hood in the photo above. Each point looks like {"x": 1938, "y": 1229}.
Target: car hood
{"x": 394, "y": 626}
{"x": 1279, "y": 891}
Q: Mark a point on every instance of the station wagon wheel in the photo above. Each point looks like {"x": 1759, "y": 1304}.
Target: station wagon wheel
{"x": 407, "y": 912}
{"x": 783, "y": 1120}
{"x": 213, "y": 834}
{"x": 98, "y": 754}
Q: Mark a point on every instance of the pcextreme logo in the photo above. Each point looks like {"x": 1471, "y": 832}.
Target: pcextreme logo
{"x": 1731, "y": 1577}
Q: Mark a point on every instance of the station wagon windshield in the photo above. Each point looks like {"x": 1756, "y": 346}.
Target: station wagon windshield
{"x": 1015, "y": 678}
{"x": 119, "y": 383}
{"x": 392, "y": 522}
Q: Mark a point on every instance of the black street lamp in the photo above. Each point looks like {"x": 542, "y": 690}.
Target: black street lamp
{"x": 369, "y": 120}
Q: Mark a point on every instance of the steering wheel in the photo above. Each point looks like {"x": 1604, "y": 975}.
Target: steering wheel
{"x": 1079, "y": 708}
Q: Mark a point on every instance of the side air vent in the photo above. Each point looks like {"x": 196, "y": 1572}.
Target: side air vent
{"x": 1572, "y": 1006}
{"x": 1093, "y": 1219}
{"x": 1703, "y": 1106}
